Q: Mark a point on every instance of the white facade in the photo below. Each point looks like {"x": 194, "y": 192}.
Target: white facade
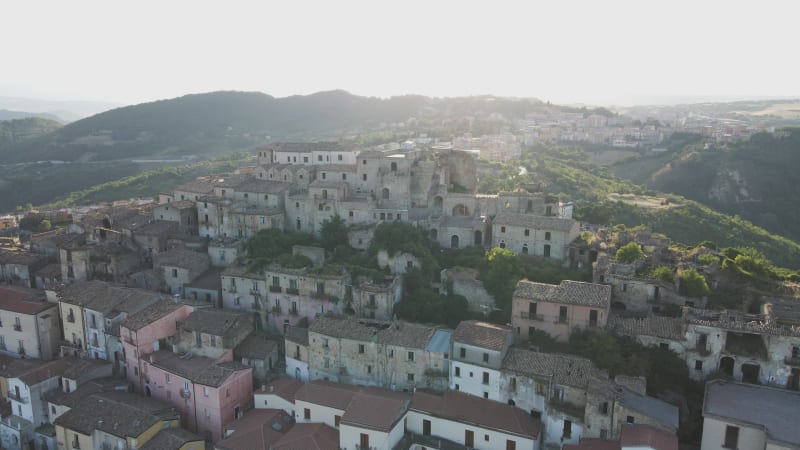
{"x": 483, "y": 438}
{"x": 350, "y": 437}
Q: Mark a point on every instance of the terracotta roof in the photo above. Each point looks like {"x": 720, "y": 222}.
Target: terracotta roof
{"x": 200, "y": 185}
{"x": 656, "y": 326}
{"x": 258, "y": 429}
{"x": 369, "y": 407}
{"x": 460, "y": 407}
{"x": 179, "y": 204}
{"x": 566, "y": 370}
{"x": 23, "y": 301}
{"x": 482, "y": 334}
{"x": 210, "y": 280}
{"x": 46, "y": 370}
{"x": 534, "y": 222}
{"x": 198, "y": 369}
{"x": 171, "y": 439}
{"x": 285, "y": 388}
{"x": 640, "y": 435}
{"x": 652, "y": 407}
{"x": 242, "y": 272}
{"x": 158, "y": 228}
{"x": 568, "y": 292}
{"x": 309, "y": 436}
{"x": 105, "y": 298}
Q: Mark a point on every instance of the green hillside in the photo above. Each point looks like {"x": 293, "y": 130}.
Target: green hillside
{"x": 16, "y": 131}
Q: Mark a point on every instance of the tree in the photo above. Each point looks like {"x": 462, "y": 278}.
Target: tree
{"x": 44, "y": 225}
{"x": 334, "y": 233}
{"x": 629, "y": 253}
{"x": 693, "y": 284}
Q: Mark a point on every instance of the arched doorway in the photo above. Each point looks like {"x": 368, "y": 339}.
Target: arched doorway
{"x": 726, "y": 365}
{"x": 460, "y": 210}
{"x": 525, "y": 249}
{"x": 478, "y": 237}
{"x": 385, "y": 194}
{"x": 454, "y": 241}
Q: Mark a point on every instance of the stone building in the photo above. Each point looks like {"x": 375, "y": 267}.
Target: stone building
{"x": 178, "y": 267}
{"x": 29, "y": 324}
{"x": 529, "y": 234}
{"x": 559, "y": 309}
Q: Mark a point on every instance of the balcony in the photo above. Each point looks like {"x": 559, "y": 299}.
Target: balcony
{"x": 293, "y": 311}
{"x": 529, "y": 316}
{"x": 186, "y": 393}
{"x": 255, "y": 292}
{"x": 18, "y": 398}
{"x": 276, "y": 309}
{"x": 292, "y": 291}
{"x": 792, "y": 361}
{"x": 17, "y": 327}
{"x": 275, "y": 289}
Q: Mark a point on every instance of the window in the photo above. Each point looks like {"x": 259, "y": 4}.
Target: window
{"x": 527, "y": 232}
{"x": 337, "y": 420}
{"x": 458, "y": 371}
{"x": 205, "y": 391}
{"x": 174, "y": 273}
{"x": 324, "y": 342}
{"x": 198, "y": 339}
{"x": 486, "y": 357}
{"x": 485, "y": 394}
{"x": 462, "y": 352}
{"x": 502, "y": 229}
{"x": 364, "y": 177}
{"x": 546, "y": 235}
{"x": 339, "y": 157}
{"x": 319, "y": 157}
{"x": 731, "y": 437}
{"x": 411, "y": 356}
{"x": 324, "y": 175}
{"x": 457, "y": 387}
{"x": 629, "y": 419}
{"x": 663, "y": 346}
{"x": 369, "y": 369}
{"x": 698, "y": 365}
{"x": 562, "y": 314}
{"x": 167, "y": 377}
{"x": 306, "y": 414}
{"x": 604, "y": 408}
{"x": 350, "y": 213}
{"x": 360, "y": 348}
{"x": 305, "y": 159}
{"x": 411, "y": 378}
{"x": 344, "y": 176}
{"x": 227, "y": 392}
{"x": 327, "y": 362}
{"x": 214, "y": 340}
{"x": 485, "y": 377}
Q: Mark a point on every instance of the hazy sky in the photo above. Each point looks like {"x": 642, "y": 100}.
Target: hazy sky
{"x": 558, "y": 50}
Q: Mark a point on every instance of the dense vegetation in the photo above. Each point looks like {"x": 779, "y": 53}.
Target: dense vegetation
{"x": 19, "y": 130}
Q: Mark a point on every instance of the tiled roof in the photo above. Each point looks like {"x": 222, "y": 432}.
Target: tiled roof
{"x": 656, "y": 326}
{"x": 46, "y": 370}
{"x": 309, "y": 436}
{"x": 171, "y": 439}
{"x": 565, "y": 370}
{"x": 368, "y": 407}
{"x": 104, "y": 297}
{"x": 199, "y": 369}
{"x": 644, "y": 436}
{"x": 593, "y": 444}
{"x": 650, "y": 406}
{"x": 285, "y": 388}
{"x": 20, "y": 258}
{"x": 158, "y": 228}
{"x": 23, "y": 301}
{"x": 150, "y": 314}
{"x": 216, "y": 322}
{"x": 534, "y": 222}
{"x": 258, "y": 429}
{"x": 297, "y": 335}
{"x": 260, "y": 186}
{"x": 255, "y": 346}
{"x": 402, "y": 334}
{"x": 121, "y": 414}
{"x": 568, "y": 292}
{"x": 773, "y": 410}
{"x": 185, "y": 259}
{"x": 242, "y": 272}
{"x": 210, "y": 280}
{"x": 482, "y": 334}
{"x": 477, "y": 411}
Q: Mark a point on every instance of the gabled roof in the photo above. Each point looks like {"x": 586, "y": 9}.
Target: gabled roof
{"x": 650, "y": 406}
{"x": 482, "y": 334}
{"x": 199, "y": 369}
{"x": 185, "y": 259}
{"x": 258, "y": 429}
{"x": 23, "y": 301}
{"x": 564, "y": 369}
{"x": 480, "y": 412}
{"x": 285, "y": 388}
{"x": 397, "y": 333}
{"x": 306, "y": 147}
{"x": 568, "y": 293}
{"x": 216, "y": 322}
{"x": 640, "y": 435}
{"x": 309, "y": 436}
{"x": 657, "y": 326}
{"x": 151, "y": 314}
{"x": 297, "y": 335}
{"x": 105, "y": 297}
{"x": 171, "y": 439}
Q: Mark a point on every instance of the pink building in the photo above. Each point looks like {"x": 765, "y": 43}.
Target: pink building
{"x": 209, "y": 395}
{"x": 559, "y": 309}
{"x": 147, "y": 331}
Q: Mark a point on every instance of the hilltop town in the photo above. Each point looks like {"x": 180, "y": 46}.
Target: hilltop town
{"x": 335, "y": 298}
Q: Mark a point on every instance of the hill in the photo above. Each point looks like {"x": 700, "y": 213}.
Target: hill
{"x": 754, "y": 178}
{"x": 6, "y": 114}
{"x": 602, "y": 198}
{"x": 19, "y": 130}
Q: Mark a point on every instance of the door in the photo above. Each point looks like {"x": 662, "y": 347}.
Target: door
{"x": 593, "y": 318}
{"x": 426, "y": 427}
{"x": 364, "y": 441}
{"x": 469, "y": 438}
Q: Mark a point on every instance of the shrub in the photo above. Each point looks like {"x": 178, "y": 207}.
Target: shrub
{"x": 629, "y": 253}
{"x": 707, "y": 258}
{"x": 662, "y": 273}
{"x": 693, "y": 283}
